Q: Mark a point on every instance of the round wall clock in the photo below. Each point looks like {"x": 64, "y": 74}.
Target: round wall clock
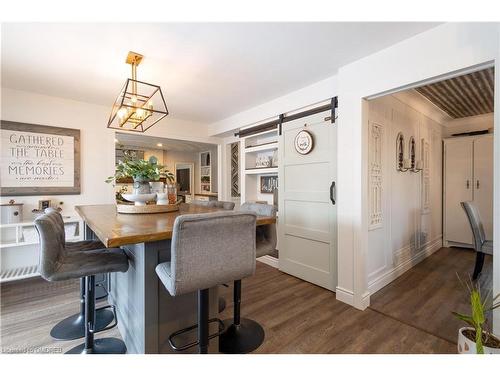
{"x": 303, "y": 142}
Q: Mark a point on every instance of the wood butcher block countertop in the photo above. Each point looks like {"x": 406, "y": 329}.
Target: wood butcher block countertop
{"x": 115, "y": 230}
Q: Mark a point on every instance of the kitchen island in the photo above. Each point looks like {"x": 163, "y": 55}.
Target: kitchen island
{"x": 147, "y": 314}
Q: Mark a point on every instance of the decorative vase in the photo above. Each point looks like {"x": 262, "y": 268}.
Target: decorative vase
{"x": 467, "y": 346}
{"x": 172, "y": 193}
{"x": 161, "y": 198}
{"x": 157, "y": 186}
{"x": 141, "y": 187}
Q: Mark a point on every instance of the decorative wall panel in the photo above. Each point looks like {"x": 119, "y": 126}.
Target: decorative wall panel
{"x": 426, "y": 177}
{"x": 235, "y": 181}
{"x": 375, "y": 176}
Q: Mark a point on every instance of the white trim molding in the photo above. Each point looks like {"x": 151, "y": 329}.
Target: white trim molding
{"x": 269, "y": 260}
{"x": 404, "y": 261}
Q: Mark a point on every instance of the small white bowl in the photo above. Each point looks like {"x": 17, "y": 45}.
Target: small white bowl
{"x": 139, "y": 199}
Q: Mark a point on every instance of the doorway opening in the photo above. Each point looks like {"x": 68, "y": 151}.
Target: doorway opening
{"x": 430, "y": 150}
{"x": 193, "y": 164}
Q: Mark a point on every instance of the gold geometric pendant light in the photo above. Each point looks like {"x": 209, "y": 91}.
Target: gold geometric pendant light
{"x": 139, "y": 105}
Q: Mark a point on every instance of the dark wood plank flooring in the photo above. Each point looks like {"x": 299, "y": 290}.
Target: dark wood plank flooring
{"x": 298, "y": 317}
{"x": 425, "y": 296}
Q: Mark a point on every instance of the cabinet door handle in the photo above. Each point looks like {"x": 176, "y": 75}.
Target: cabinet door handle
{"x": 477, "y": 184}
{"x": 332, "y": 192}
{"x": 468, "y": 184}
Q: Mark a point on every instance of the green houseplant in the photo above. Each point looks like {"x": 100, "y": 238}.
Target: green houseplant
{"x": 142, "y": 172}
{"x": 477, "y": 338}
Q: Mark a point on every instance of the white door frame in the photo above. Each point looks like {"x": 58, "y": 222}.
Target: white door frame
{"x": 427, "y": 56}
{"x": 190, "y": 166}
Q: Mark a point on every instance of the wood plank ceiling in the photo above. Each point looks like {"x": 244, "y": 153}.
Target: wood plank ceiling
{"x": 463, "y": 96}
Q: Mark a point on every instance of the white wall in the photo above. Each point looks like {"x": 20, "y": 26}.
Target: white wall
{"x": 97, "y": 142}
{"x": 292, "y": 101}
{"x": 407, "y": 231}
{"x": 468, "y": 124}
{"x": 430, "y": 55}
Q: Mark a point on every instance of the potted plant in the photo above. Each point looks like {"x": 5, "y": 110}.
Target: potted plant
{"x": 142, "y": 172}
{"x": 477, "y": 338}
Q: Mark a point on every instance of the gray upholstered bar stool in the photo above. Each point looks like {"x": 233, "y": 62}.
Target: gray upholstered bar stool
{"x": 73, "y": 327}
{"x": 57, "y": 263}
{"x": 207, "y": 250}
{"x": 245, "y": 335}
{"x": 224, "y": 205}
{"x": 481, "y": 245}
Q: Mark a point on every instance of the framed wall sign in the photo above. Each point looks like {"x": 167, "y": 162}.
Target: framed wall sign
{"x": 39, "y": 160}
{"x": 268, "y": 184}
{"x": 303, "y": 142}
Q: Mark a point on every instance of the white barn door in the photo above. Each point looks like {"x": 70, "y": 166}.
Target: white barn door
{"x": 307, "y": 211}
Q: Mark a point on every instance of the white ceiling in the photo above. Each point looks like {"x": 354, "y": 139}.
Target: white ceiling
{"x": 208, "y": 71}
{"x": 130, "y": 140}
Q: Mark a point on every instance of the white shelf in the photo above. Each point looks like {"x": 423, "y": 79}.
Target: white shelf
{"x": 67, "y": 219}
{"x": 27, "y": 243}
{"x": 265, "y": 147}
{"x": 18, "y": 273}
{"x": 267, "y": 170}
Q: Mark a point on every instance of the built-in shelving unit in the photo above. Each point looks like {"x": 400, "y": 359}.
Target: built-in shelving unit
{"x": 205, "y": 172}
{"x": 19, "y": 248}
{"x": 254, "y": 149}
{"x": 258, "y": 158}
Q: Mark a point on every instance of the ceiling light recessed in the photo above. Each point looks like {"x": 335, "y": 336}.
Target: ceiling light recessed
{"x": 139, "y": 105}
{"x": 159, "y": 144}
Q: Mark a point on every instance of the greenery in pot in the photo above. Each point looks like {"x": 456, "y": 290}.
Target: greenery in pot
{"x": 141, "y": 170}
{"x": 479, "y": 331}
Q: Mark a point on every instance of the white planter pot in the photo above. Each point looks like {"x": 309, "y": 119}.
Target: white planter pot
{"x": 466, "y": 346}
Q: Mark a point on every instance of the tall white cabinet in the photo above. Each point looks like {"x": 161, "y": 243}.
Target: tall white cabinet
{"x": 468, "y": 176}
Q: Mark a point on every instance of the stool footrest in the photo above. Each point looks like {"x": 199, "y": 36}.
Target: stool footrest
{"x": 191, "y": 328}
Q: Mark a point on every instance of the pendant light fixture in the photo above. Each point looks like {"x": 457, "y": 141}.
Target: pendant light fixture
{"x": 139, "y": 105}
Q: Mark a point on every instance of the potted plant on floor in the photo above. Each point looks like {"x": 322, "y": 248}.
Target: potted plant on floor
{"x": 142, "y": 172}
{"x": 477, "y": 338}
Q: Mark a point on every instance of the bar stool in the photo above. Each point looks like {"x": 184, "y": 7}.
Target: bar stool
{"x": 207, "y": 250}
{"x": 224, "y": 205}
{"x": 229, "y": 206}
{"x": 245, "y": 335}
{"x": 57, "y": 263}
{"x": 73, "y": 327}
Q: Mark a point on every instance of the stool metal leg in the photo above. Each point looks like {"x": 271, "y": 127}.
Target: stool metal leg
{"x": 242, "y": 335}
{"x": 73, "y": 327}
{"x": 203, "y": 320}
{"x": 99, "y": 346}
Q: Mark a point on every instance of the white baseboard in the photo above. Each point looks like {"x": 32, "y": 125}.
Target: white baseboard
{"x": 347, "y": 296}
{"x": 269, "y": 260}
{"x": 387, "y": 277}
{"x": 344, "y": 295}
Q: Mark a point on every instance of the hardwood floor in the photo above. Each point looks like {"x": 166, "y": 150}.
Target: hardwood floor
{"x": 425, "y": 296}
{"x": 298, "y": 317}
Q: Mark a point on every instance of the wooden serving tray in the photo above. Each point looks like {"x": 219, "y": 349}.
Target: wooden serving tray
{"x": 147, "y": 209}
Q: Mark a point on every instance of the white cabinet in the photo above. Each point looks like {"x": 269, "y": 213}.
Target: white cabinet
{"x": 19, "y": 248}
{"x": 468, "y": 176}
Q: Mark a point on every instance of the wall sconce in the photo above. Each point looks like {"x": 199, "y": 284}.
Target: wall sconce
{"x": 415, "y": 165}
{"x": 409, "y": 164}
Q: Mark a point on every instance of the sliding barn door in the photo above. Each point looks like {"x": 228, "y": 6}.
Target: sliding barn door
{"x": 307, "y": 213}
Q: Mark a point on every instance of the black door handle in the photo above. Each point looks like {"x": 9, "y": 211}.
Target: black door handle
{"x": 332, "y": 192}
